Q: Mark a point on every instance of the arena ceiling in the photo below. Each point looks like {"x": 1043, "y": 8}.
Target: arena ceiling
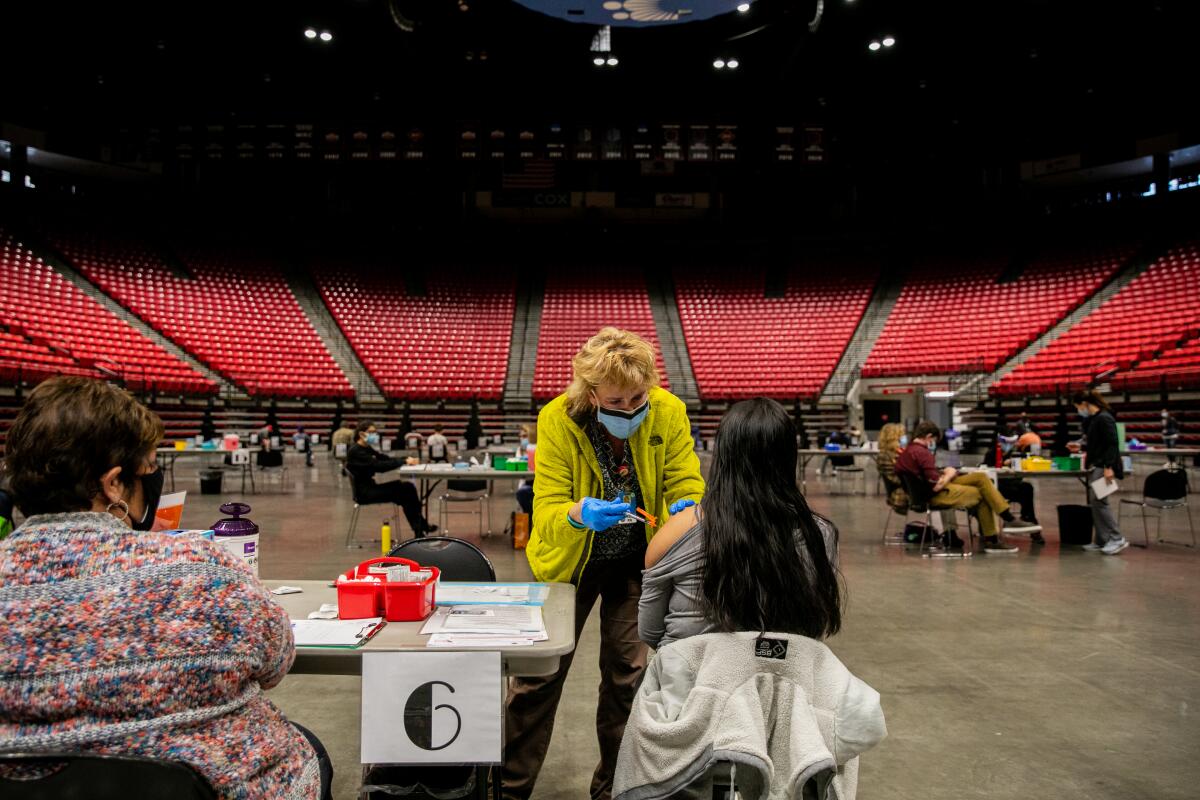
{"x": 1014, "y": 79}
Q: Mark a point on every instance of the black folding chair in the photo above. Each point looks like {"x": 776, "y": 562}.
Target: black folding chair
{"x": 1164, "y": 490}
{"x": 456, "y": 559}
{"x": 93, "y": 776}
{"x": 920, "y": 498}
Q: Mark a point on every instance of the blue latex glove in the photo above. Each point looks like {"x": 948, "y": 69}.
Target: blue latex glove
{"x": 680, "y": 505}
{"x": 600, "y": 515}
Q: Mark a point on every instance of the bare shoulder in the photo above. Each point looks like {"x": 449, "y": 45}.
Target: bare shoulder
{"x": 670, "y": 533}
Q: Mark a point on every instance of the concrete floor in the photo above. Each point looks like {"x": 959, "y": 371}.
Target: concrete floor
{"x": 1049, "y": 674}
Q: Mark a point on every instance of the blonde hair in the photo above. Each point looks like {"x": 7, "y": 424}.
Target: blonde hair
{"x": 889, "y": 437}
{"x": 611, "y": 356}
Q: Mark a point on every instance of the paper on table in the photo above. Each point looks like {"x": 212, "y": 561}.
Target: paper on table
{"x": 495, "y": 620}
{"x": 479, "y": 640}
{"x": 452, "y": 594}
{"x": 1102, "y": 488}
{"x": 334, "y": 633}
{"x": 286, "y": 590}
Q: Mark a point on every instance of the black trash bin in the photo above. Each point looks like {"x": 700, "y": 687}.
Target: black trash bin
{"x": 1074, "y": 525}
{"x": 210, "y": 481}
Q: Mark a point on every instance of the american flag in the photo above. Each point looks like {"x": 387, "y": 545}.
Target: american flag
{"x": 535, "y": 174}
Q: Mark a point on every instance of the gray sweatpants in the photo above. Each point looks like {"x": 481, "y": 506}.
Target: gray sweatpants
{"x": 1102, "y": 514}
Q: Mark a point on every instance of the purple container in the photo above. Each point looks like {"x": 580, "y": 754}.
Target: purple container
{"x": 234, "y": 524}
{"x": 238, "y": 535}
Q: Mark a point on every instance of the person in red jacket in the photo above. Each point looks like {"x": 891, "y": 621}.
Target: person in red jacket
{"x": 974, "y": 491}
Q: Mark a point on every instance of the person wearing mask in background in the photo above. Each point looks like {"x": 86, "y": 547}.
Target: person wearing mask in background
{"x": 364, "y": 461}
{"x": 438, "y": 444}
{"x": 613, "y": 433}
{"x": 340, "y": 443}
{"x": 1023, "y": 425}
{"x": 528, "y": 442}
{"x": 973, "y": 491}
{"x": 893, "y": 439}
{"x": 1016, "y": 489}
{"x": 124, "y": 642}
{"x": 723, "y": 565}
{"x": 303, "y": 445}
{"x": 1103, "y": 463}
{"x": 1170, "y": 434}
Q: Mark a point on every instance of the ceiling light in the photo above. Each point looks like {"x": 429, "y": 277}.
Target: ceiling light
{"x": 598, "y": 61}
{"x": 719, "y": 64}
{"x": 612, "y": 61}
{"x": 873, "y": 46}
{"x": 888, "y": 41}
{"x": 732, "y": 63}
{"x": 743, "y": 7}
{"x": 309, "y": 33}
{"x": 938, "y": 394}
{"x": 326, "y": 36}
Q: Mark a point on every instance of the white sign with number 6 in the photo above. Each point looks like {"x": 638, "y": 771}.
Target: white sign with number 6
{"x": 431, "y": 708}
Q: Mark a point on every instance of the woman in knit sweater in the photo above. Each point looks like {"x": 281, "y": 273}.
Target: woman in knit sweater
{"x": 117, "y": 640}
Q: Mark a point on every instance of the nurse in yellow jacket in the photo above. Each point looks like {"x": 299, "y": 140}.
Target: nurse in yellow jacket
{"x": 614, "y": 434}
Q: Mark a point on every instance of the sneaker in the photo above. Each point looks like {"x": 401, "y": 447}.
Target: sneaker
{"x": 1115, "y": 546}
{"x": 993, "y": 544}
{"x": 1092, "y": 547}
{"x": 1022, "y": 526}
{"x": 1037, "y": 538}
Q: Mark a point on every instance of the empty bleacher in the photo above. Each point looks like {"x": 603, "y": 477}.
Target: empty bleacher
{"x": 743, "y": 343}
{"x": 451, "y": 342}
{"x": 55, "y": 328}
{"x": 574, "y": 309}
{"x": 954, "y": 317}
{"x": 235, "y": 314}
{"x": 1149, "y": 317}
{"x": 1175, "y": 370}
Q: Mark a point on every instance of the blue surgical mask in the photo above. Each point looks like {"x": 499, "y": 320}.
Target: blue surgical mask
{"x": 524, "y": 443}
{"x": 622, "y": 424}
{"x": 932, "y": 446}
{"x": 904, "y": 441}
{"x": 373, "y": 439}
{"x": 1083, "y": 412}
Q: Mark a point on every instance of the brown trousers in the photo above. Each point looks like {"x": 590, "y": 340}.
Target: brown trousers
{"x": 974, "y": 491}
{"x": 532, "y": 702}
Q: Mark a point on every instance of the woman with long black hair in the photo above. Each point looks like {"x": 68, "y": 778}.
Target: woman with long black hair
{"x": 752, "y": 556}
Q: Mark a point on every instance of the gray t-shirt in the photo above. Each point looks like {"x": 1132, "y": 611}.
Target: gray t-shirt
{"x": 671, "y": 607}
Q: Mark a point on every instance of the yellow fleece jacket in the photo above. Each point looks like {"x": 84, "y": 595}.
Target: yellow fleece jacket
{"x": 568, "y": 471}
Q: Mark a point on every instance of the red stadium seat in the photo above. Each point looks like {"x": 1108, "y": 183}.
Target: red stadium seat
{"x": 785, "y": 347}
{"x": 1136, "y": 332}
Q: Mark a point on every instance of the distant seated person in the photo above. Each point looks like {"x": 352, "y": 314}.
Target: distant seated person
{"x": 974, "y": 492}
{"x": 303, "y": 445}
{"x": 1018, "y": 490}
{"x": 528, "y": 441}
{"x": 364, "y": 461}
{"x": 438, "y": 444}
{"x": 893, "y": 439}
{"x": 843, "y": 440}
{"x": 343, "y": 436}
{"x": 124, "y": 642}
{"x": 1023, "y": 425}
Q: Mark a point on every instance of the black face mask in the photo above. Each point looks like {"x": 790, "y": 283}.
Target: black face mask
{"x": 152, "y": 486}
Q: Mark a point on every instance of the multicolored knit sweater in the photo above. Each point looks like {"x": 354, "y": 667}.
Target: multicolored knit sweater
{"x": 117, "y": 641}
